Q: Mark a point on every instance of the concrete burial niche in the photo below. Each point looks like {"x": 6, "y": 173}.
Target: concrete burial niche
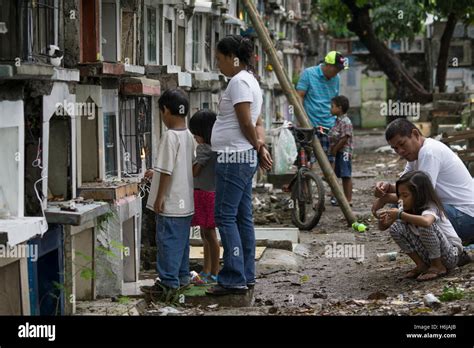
{"x": 59, "y": 168}
{"x": 59, "y": 141}
{"x": 46, "y": 274}
{"x": 90, "y": 135}
{"x": 79, "y": 230}
{"x": 130, "y": 265}
{"x": 14, "y": 299}
{"x": 117, "y": 273}
{"x": 80, "y": 264}
{"x": 119, "y": 233}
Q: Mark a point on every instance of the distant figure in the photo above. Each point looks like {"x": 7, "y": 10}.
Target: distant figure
{"x": 317, "y": 86}
{"x": 340, "y": 139}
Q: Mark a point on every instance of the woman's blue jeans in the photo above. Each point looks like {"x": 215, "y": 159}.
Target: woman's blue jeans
{"x": 234, "y": 218}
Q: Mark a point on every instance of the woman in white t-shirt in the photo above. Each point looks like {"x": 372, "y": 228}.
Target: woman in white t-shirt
{"x": 239, "y": 140}
{"x": 421, "y": 228}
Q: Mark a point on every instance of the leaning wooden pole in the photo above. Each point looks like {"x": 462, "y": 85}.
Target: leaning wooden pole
{"x": 295, "y": 100}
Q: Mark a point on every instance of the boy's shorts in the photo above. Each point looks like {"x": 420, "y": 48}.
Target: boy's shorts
{"x": 343, "y": 167}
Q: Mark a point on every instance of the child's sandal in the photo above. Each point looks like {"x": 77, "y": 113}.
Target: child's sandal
{"x": 435, "y": 273}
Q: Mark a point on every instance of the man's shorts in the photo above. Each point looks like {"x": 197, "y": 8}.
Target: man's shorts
{"x": 324, "y": 140}
{"x": 343, "y": 167}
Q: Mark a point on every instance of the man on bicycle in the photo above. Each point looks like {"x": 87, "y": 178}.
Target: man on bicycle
{"x": 316, "y": 87}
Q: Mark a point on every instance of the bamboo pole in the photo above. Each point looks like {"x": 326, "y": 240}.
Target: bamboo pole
{"x": 300, "y": 114}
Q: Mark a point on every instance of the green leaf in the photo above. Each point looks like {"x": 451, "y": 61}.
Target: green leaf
{"x": 304, "y": 278}
{"x": 106, "y": 251}
{"x": 87, "y": 273}
{"x": 84, "y": 256}
{"x": 123, "y": 300}
{"x": 117, "y": 245}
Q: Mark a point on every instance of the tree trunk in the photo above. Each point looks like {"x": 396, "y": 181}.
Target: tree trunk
{"x": 442, "y": 67}
{"x": 408, "y": 87}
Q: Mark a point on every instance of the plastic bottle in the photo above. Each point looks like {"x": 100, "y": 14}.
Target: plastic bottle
{"x": 392, "y": 256}
{"x": 359, "y": 227}
{"x": 194, "y": 276}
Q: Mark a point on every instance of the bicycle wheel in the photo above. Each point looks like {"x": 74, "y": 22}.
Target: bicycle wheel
{"x": 308, "y": 200}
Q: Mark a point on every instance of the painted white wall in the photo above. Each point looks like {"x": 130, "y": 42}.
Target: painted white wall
{"x": 12, "y": 154}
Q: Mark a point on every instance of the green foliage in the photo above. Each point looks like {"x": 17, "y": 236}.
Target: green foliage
{"x": 463, "y": 9}
{"x": 84, "y": 256}
{"x": 334, "y": 15}
{"x": 391, "y": 19}
{"x": 451, "y": 294}
{"x": 398, "y": 19}
{"x": 87, "y": 273}
{"x": 104, "y": 219}
{"x": 106, "y": 251}
{"x": 86, "y": 270}
{"x": 123, "y": 300}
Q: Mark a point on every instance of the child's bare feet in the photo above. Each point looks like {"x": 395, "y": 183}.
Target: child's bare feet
{"x": 432, "y": 273}
{"x": 415, "y": 272}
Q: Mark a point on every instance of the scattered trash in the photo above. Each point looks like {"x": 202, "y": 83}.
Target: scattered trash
{"x": 392, "y": 256}
{"x": 272, "y": 217}
{"x": 168, "y": 311}
{"x": 385, "y": 149}
{"x": 431, "y": 301}
{"x": 213, "y": 306}
{"x": 359, "y": 227}
{"x": 301, "y": 250}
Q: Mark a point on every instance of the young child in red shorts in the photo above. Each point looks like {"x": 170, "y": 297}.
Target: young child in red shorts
{"x": 204, "y": 166}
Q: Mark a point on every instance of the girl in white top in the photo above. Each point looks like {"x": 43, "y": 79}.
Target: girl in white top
{"x": 421, "y": 228}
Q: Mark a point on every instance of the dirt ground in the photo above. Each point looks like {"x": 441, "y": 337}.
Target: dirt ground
{"x": 345, "y": 286}
{"x": 333, "y": 285}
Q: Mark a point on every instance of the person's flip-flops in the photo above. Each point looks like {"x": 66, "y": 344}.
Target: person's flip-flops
{"x": 435, "y": 274}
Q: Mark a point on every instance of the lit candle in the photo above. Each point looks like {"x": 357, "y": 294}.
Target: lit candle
{"x": 143, "y": 163}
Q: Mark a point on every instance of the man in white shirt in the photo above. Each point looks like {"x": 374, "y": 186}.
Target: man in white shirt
{"x": 450, "y": 177}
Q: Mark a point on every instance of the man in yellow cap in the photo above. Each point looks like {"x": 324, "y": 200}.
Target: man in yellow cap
{"x": 317, "y": 86}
